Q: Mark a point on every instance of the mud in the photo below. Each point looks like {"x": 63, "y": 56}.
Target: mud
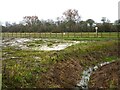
{"x": 64, "y": 74}
{"x": 87, "y": 73}
{"x": 55, "y": 44}
{"x": 107, "y": 76}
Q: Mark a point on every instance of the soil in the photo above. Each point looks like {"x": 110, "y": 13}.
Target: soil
{"x": 68, "y": 72}
{"x": 107, "y": 76}
{"x": 64, "y": 74}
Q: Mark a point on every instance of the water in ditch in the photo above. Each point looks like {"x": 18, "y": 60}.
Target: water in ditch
{"x": 83, "y": 84}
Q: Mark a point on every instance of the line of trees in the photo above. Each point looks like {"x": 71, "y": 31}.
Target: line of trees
{"x": 69, "y": 22}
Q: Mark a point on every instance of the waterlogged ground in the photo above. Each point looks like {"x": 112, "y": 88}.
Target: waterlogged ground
{"x": 108, "y": 76}
{"x": 87, "y": 74}
{"x": 39, "y": 44}
{"x": 25, "y": 61}
{"x": 49, "y": 63}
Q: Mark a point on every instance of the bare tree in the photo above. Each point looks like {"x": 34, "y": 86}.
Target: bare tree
{"x": 72, "y": 15}
{"x": 30, "y": 20}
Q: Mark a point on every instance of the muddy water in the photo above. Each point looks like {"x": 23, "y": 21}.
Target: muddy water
{"x": 21, "y": 43}
{"x": 87, "y": 73}
{"x": 59, "y": 46}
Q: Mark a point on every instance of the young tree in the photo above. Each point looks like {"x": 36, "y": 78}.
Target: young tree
{"x": 90, "y": 22}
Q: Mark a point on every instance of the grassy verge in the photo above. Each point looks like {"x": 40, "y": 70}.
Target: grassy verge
{"x": 26, "y": 68}
{"x": 91, "y": 39}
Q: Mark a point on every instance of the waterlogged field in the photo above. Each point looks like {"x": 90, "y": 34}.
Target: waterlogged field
{"x": 39, "y": 44}
{"x": 52, "y": 63}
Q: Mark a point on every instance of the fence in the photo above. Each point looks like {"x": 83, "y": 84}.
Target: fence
{"x": 61, "y": 35}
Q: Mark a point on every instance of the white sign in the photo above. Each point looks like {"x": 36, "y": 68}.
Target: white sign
{"x": 96, "y": 28}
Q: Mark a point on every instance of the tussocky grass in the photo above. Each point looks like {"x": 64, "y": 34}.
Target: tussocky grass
{"x": 24, "y": 68}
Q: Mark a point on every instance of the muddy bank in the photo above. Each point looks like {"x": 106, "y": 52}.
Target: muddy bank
{"x": 67, "y": 72}
{"x": 87, "y": 73}
{"x": 107, "y": 76}
{"x": 63, "y": 74}
{"x": 54, "y": 69}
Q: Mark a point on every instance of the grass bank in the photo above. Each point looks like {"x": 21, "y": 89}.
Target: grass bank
{"x": 48, "y": 69}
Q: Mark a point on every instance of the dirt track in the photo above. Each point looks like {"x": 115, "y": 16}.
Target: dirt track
{"x": 107, "y": 76}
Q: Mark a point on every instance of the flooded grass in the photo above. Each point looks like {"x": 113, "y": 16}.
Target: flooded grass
{"x": 39, "y": 44}
{"x": 27, "y": 67}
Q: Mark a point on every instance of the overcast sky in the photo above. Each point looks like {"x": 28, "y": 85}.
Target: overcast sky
{"x": 15, "y": 10}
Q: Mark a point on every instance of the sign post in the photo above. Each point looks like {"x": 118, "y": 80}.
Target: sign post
{"x": 96, "y": 28}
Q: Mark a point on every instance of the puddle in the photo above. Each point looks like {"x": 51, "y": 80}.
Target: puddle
{"x": 87, "y": 73}
{"x": 39, "y": 44}
{"x": 59, "y": 46}
{"x": 14, "y": 42}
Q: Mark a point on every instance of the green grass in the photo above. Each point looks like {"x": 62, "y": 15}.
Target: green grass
{"x": 91, "y": 39}
{"x": 27, "y": 66}
{"x": 112, "y": 84}
{"x": 35, "y": 43}
{"x": 110, "y": 58}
